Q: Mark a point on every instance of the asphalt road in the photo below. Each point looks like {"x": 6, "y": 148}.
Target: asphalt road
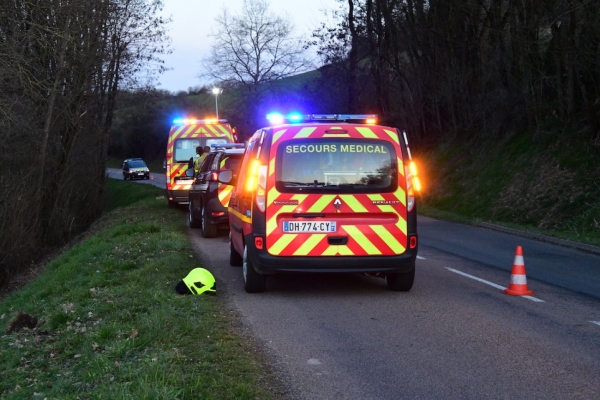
{"x": 454, "y": 335}
{"x": 156, "y": 178}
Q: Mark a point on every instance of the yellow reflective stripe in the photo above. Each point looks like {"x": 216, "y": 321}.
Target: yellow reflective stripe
{"x": 224, "y": 192}
{"x": 239, "y": 215}
{"x": 272, "y": 222}
{"x": 330, "y": 251}
{"x": 277, "y": 135}
{"x": 304, "y": 133}
{"x": 388, "y": 238}
{"x": 299, "y": 197}
{"x": 271, "y": 196}
{"x": 320, "y": 205}
{"x": 309, "y": 244}
{"x": 375, "y": 197}
{"x": 212, "y": 129}
{"x": 345, "y": 251}
{"x": 401, "y": 195}
{"x": 328, "y": 135}
{"x": 400, "y": 166}
{"x": 361, "y": 239}
{"x": 272, "y": 166}
{"x": 224, "y": 130}
{"x": 366, "y": 132}
{"x": 402, "y": 225}
{"x": 282, "y": 243}
{"x": 354, "y": 204}
{"x": 393, "y": 135}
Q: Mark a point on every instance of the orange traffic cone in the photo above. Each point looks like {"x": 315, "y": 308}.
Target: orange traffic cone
{"x": 518, "y": 279}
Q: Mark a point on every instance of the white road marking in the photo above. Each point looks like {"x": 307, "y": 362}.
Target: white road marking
{"x": 490, "y": 283}
{"x": 420, "y": 258}
{"x": 595, "y": 322}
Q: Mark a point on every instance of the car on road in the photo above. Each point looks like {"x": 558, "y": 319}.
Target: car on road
{"x": 324, "y": 193}
{"x": 208, "y": 198}
{"x": 135, "y": 168}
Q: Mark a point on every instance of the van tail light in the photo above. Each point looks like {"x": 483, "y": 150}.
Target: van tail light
{"x": 261, "y": 190}
{"x": 412, "y": 184}
{"x": 213, "y": 177}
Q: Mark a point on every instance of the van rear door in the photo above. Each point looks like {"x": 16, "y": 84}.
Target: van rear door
{"x": 336, "y": 191}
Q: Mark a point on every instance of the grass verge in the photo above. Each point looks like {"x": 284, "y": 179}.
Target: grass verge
{"x": 536, "y": 183}
{"x": 110, "y": 324}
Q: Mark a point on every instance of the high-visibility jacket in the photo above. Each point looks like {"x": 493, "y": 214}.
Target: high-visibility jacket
{"x": 198, "y": 162}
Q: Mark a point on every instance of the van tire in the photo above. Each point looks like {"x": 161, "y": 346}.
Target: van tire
{"x": 401, "y": 282}
{"x": 193, "y": 221}
{"x": 253, "y": 281}
{"x": 235, "y": 260}
{"x": 208, "y": 230}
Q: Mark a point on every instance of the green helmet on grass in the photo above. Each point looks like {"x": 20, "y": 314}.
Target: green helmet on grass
{"x": 200, "y": 280}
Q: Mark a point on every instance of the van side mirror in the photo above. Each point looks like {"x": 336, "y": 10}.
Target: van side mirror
{"x": 226, "y": 177}
{"x": 189, "y": 172}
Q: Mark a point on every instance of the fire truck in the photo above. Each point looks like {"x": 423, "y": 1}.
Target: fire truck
{"x": 185, "y": 136}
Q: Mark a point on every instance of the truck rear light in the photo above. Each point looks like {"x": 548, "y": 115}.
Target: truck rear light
{"x": 214, "y": 177}
{"x": 217, "y": 213}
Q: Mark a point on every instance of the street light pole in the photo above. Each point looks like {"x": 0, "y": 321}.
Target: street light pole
{"x": 217, "y": 92}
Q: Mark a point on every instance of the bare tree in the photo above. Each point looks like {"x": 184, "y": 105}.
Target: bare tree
{"x": 61, "y": 66}
{"x": 254, "y": 47}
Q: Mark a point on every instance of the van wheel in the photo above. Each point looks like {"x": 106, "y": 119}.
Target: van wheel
{"x": 253, "y": 281}
{"x": 235, "y": 260}
{"x": 194, "y": 222}
{"x": 401, "y": 282}
{"x": 208, "y": 230}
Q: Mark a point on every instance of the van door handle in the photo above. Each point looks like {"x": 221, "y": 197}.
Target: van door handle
{"x": 337, "y": 240}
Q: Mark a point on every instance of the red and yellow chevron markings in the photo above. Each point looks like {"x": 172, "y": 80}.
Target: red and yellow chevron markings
{"x": 375, "y": 224}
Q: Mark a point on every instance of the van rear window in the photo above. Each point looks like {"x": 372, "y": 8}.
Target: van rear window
{"x": 185, "y": 149}
{"x": 336, "y": 165}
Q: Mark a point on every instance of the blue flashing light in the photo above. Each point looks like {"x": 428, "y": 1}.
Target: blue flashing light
{"x": 294, "y": 117}
{"x": 178, "y": 121}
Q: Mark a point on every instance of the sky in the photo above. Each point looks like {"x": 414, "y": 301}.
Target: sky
{"x": 193, "y": 22}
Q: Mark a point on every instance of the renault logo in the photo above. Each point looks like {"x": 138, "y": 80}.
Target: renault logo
{"x": 337, "y": 203}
